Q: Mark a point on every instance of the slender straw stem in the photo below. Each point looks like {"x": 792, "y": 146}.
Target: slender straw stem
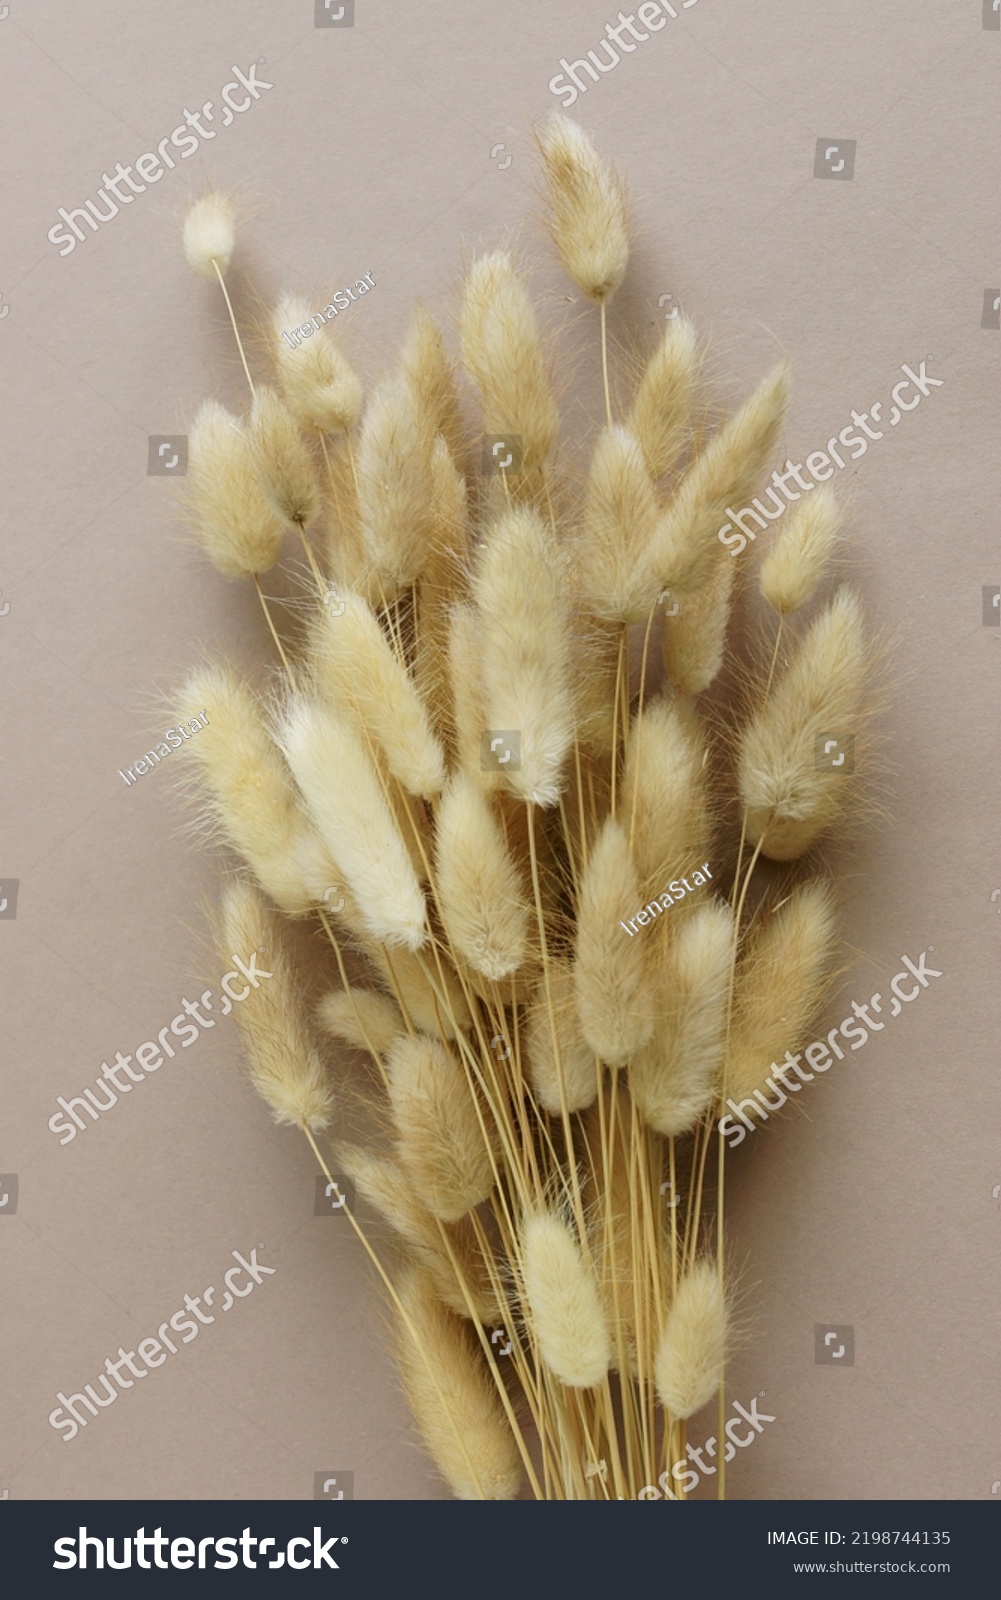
{"x": 232, "y": 318}
{"x": 604, "y": 363}
{"x": 278, "y": 644}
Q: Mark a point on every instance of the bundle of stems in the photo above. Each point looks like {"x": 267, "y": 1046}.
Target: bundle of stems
{"x": 486, "y": 769}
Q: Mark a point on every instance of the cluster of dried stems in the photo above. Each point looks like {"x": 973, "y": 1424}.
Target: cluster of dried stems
{"x": 541, "y": 1074}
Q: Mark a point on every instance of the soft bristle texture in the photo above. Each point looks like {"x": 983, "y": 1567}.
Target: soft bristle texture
{"x": 453, "y": 1399}
{"x": 620, "y": 513}
{"x": 672, "y": 1078}
{"x": 685, "y": 541}
{"x": 253, "y": 802}
{"x": 792, "y": 787}
{"x": 482, "y": 898}
{"x": 613, "y": 1000}
{"x": 361, "y": 1017}
{"x": 521, "y": 596}
{"x": 502, "y": 351}
{"x": 781, "y": 984}
{"x": 394, "y": 482}
{"x": 357, "y": 669}
{"x": 429, "y": 371}
{"x": 661, "y": 412}
{"x": 210, "y": 234}
{"x": 319, "y": 384}
{"x": 441, "y": 1141}
{"x": 800, "y": 552}
{"x": 563, "y": 1303}
{"x": 442, "y": 581}
{"x": 283, "y": 465}
{"x": 341, "y": 788}
{"x": 664, "y": 804}
{"x": 238, "y": 529}
{"x": 438, "y": 1246}
{"x": 435, "y": 1007}
{"x": 285, "y": 1067}
{"x": 590, "y": 213}
{"x": 618, "y": 1246}
{"x": 690, "y": 1358}
{"x": 564, "y": 1074}
{"x": 466, "y": 691}
{"x": 694, "y": 638}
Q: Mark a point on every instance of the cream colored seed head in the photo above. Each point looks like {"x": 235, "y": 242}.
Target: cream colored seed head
{"x": 285, "y": 470}
{"x": 565, "y": 1075}
{"x": 620, "y": 512}
{"x": 502, "y": 351}
{"x": 665, "y": 805}
{"x": 320, "y": 385}
{"x": 802, "y": 548}
{"x": 342, "y": 792}
{"x": 614, "y": 1003}
{"x": 394, "y": 484}
{"x": 694, "y": 638}
{"x": 253, "y": 803}
{"x": 791, "y": 793}
{"x": 686, "y": 539}
{"x": 661, "y": 412}
{"x": 360, "y": 1017}
{"x": 284, "y": 1064}
{"x": 482, "y": 898}
{"x": 237, "y": 527}
{"x": 209, "y": 234}
{"x": 691, "y": 1356}
{"x": 779, "y": 988}
{"x": 441, "y": 1142}
{"x": 563, "y": 1304}
{"x": 429, "y": 372}
{"x": 590, "y": 213}
{"x": 525, "y": 647}
{"x": 454, "y": 1401}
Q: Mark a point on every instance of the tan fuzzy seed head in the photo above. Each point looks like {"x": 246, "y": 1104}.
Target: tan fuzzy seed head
{"x": 394, "y": 484}
{"x": 691, "y": 1355}
{"x": 565, "y": 1074}
{"x": 661, "y": 412}
{"x": 441, "y": 1141}
{"x": 693, "y": 643}
{"x": 801, "y": 551}
{"x": 429, "y": 371}
{"x": 453, "y": 1399}
{"x": 502, "y": 351}
{"x": 614, "y": 579}
{"x": 481, "y": 894}
{"x": 320, "y": 386}
{"x": 284, "y": 1064}
{"x": 614, "y": 1003}
{"x": 360, "y": 1017}
{"x": 237, "y": 527}
{"x": 589, "y": 208}
{"x": 665, "y": 803}
{"x": 563, "y": 1304}
{"x": 791, "y": 793}
{"x": 283, "y": 464}
{"x": 210, "y": 234}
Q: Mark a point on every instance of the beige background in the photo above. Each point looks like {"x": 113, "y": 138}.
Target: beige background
{"x": 873, "y": 1207}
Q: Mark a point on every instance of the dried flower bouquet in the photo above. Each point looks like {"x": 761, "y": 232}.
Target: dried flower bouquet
{"x": 488, "y": 744}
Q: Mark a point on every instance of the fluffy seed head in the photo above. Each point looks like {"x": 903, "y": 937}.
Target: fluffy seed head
{"x": 284, "y": 1065}
{"x": 454, "y": 1401}
{"x": 799, "y": 555}
{"x": 672, "y": 1078}
{"x": 429, "y": 372}
{"x": 661, "y": 412}
{"x": 791, "y": 792}
{"x": 664, "y": 796}
{"x": 340, "y": 786}
{"x": 694, "y": 640}
{"x": 613, "y": 998}
{"x": 503, "y": 353}
{"x": 357, "y": 669}
{"x": 482, "y": 898}
{"x": 209, "y": 234}
{"x": 319, "y": 384}
{"x": 566, "y": 1074}
{"x": 236, "y": 525}
{"x": 563, "y": 1303}
{"x": 686, "y": 541}
{"x": 283, "y": 464}
{"x": 620, "y": 513}
{"x": 252, "y": 799}
{"x": 360, "y": 1017}
{"x": 441, "y": 1142}
{"x": 780, "y": 986}
{"x": 524, "y": 626}
{"x": 689, "y": 1364}
{"x": 394, "y": 484}
{"x": 590, "y": 213}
